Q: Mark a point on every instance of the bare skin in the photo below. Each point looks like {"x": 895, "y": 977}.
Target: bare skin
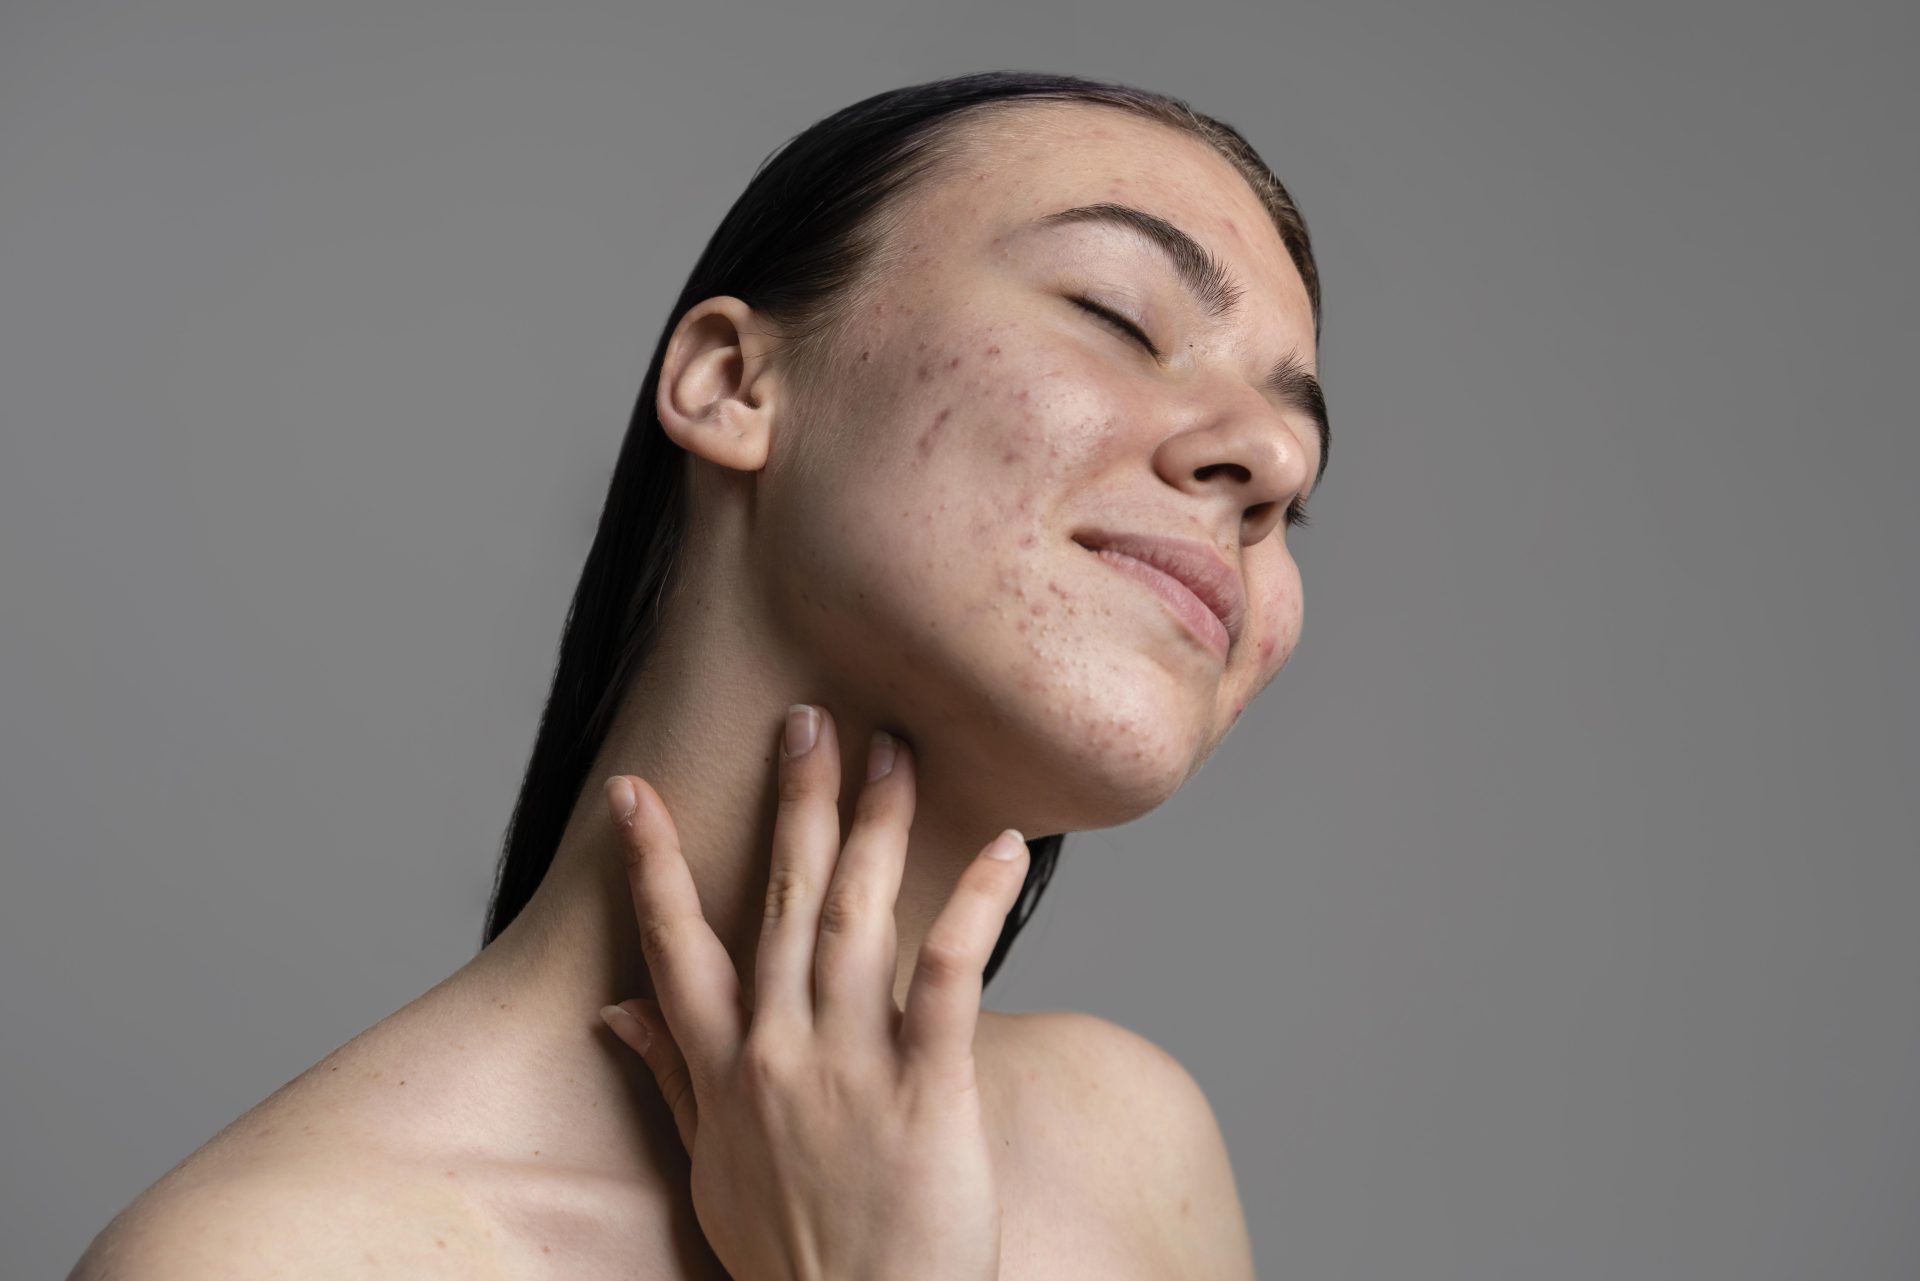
{"x": 905, "y": 557}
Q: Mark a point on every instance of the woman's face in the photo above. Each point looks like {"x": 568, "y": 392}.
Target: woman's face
{"x": 923, "y": 536}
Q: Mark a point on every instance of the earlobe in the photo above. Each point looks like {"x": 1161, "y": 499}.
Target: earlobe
{"x": 718, "y": 390}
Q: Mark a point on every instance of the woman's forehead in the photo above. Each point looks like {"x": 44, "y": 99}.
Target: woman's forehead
{"x": 1013, "y": 192}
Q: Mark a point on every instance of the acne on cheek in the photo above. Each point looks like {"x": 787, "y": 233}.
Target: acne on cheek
{"x": 931, "y": 436}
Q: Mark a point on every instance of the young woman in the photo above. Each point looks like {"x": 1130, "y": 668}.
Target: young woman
{"x": 980, "y": 422}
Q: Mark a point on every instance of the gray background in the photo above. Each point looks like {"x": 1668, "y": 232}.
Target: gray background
{"x": 1551, "y": 916}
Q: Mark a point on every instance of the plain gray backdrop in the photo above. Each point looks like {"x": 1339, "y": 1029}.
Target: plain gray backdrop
{"x": 1553, "y": 915}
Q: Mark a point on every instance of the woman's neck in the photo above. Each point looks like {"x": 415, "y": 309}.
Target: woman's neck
{"x": 705, "y": 733}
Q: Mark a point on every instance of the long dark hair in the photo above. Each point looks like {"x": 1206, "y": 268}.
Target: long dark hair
{"x": 799, "y": 245}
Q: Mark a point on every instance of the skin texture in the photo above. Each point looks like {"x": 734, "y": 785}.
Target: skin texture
{"x": 900, "y": 552}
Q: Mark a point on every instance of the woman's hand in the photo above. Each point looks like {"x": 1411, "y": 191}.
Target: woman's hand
{"x": 833, "y": 1136}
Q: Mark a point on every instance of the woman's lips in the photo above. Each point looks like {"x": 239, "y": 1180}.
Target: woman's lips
{"x": 1200, "y": 620}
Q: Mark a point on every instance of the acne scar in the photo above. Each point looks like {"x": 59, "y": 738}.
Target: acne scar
{"x": 933, "y": 429}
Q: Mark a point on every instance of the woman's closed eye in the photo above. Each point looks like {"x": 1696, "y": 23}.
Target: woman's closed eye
{"x": 1118, "y": 321}
{"x": 1296, "y": 514}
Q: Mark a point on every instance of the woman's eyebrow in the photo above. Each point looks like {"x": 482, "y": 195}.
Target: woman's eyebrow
{"x": 1212, "y": 285}
{"x": 1205, "y": 276}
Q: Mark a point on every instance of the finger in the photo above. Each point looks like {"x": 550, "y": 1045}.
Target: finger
{"x": 855, "y": 958}
{"x": 943, "y": 998}
{"x": 694, "y": 982}
{"x": 806, "y": 843}
{"x": 636, "y": 1021}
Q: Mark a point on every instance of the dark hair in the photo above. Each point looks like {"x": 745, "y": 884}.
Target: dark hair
{"x": 802, "y": 242}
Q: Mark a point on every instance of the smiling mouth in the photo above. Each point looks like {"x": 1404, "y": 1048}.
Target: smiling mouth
{"x": 1201, "y": 622}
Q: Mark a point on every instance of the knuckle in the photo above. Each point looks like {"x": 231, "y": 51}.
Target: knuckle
{"x": 658, "y": 937}
{"x": 796, "y": 786}
{"x": 944, "y": 960}
{"x": 676, "y": 1086}
{"x": 765, "y": 1061}
{"x": 786, "y": 892}
{"x": 843, "y": 911}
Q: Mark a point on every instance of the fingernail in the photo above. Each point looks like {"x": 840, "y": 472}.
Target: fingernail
{"x": 621, "y": 798}
{"x": 803, "y": 726}
{"x": 880, "y": 755}
{"x": 1007, "y": 845}
{"x": 618, "y": 1017}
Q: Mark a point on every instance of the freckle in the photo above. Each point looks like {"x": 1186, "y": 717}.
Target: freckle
{"x": 546, "y": 1249}
{"x": 442, "y": 1244}
{"x": 865, "y": 354}
{"x": 403, "y": 1080}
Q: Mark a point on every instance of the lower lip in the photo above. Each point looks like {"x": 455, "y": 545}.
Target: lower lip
{"x": 1201, "y": 621}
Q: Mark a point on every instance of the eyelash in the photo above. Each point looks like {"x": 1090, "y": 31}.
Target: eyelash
{"x": 1119, "y": 322}
{"x": 1297, "y": 511}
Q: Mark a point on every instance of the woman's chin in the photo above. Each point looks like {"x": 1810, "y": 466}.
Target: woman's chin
{"x": 1095, "y": 768}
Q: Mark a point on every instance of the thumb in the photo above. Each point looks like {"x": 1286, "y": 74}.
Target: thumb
{"x": 637, "y": 1022}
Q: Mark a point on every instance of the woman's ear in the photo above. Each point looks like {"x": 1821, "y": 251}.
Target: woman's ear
{"x": 718, "y": 389}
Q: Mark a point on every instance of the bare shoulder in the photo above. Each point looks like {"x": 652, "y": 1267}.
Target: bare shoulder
{"x": 294, "y": 1219}
{"x": 1119, "y": 1107}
